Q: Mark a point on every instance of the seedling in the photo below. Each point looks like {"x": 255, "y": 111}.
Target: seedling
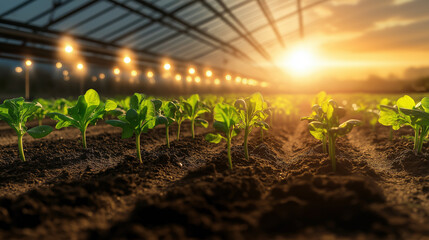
{"x": 407, "y": 112}
{"x": 180, "y": 117}
{"x": 42, "y": 111}
{"x": 252, "y": 113}
{"x": 226, "y": 120}
{"x": 193, "y": 108}
{"x": 324, "y": 123}
{"x": 141, "y": 117}
{"x": 168, "y": 117}
{"x": 16, "y": 113}
{"x": 88, "y": 110}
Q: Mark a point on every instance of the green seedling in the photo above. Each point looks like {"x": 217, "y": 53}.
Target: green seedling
{"x": 16, "y": 113}
{"x": 180, "y": 117}
{"x": 88, "y": 110}
{"x": 141, "y": 117}
{"x": 252, "y": 112}
{"x": 168, "y": 117}
{"x": 407, "y": 112}
{"x": 42, "y": 111}
{"x": 226, "y": 120}
{"x": 193, "y": 108}
{"x": 325, "y": 124}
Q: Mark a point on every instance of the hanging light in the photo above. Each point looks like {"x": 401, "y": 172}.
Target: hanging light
{"x": 191, "y": 70}
{"x": 167, "y": 66}
{"x": 209, "y": 73}
{"x": 18, "y": 69}
{"x": 116, "y": 71}
{"x": 149, "y": 74}
{"x": 58, "y": 65}
{"x": 28, "y": 62}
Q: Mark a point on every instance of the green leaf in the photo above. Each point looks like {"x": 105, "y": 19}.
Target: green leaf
{"x": 345, "y": 127}
{"x": 213, "y": 138}
{"x": 405, "y": 102}
{"x": 40, "y": 131}
{"x": 202, "y": 122}
{"x": 92, "y": 98}
{"x": 221, "y": 126}
{"x": 110, "y": 105}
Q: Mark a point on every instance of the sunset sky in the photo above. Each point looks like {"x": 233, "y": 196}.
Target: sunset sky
{"x": 354, "y": 38}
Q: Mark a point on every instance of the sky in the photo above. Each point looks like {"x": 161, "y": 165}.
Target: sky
{"x": 352, "y": 39}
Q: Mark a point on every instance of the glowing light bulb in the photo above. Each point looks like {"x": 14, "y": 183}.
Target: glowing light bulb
{"x": 238, "y": 79}
{"x": 68, "y": 49}
{"x": 58, "y": 65}
{"x": 189, "y": 79}
{"x": 18, "y": 69}
{"x": 127, "y": 59}
{"x": 28, "y": 63}
{"x": 116, "y": 71}
{"x": 191, "y": 70}
{"x": 167, "y": 66}
{"x": 149, "y": 74}
{"x": 133, "y": 73}
{"x": 79, "y": 66}
{"x": 178, "y": 77}
{"x": 101, "y": 76}
{"x": 209, "y": 73}
{"x": 65, "y": 73}
{"x": 217, "y": 81}
{"x": 197, "y": 79}
{"x": 228, "y": 77}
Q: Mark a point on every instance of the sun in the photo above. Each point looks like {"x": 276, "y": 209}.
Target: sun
{"x": 300, "y": 61}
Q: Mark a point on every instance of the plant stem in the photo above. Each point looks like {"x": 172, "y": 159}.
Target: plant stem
{"x": 416, "y": 136}
{"x": 246, "y": 150}
{"x": 332, "y": 152}
{"x": 262, "y": 134}
{"x": 84, "y": 138}
{"x": 228, "y": 145}
{"x": 167, "y": 136}
{"x": 192, "y": 128}
{"x": 21, "y": 148}
{"x": 40, "y": 122}
{"x": 178, "y": 131}
{"x": 139, "y": 155}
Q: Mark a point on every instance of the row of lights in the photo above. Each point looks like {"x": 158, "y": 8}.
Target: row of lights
{"x": 166, "y": 66}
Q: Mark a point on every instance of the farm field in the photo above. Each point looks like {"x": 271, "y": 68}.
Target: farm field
{"x": 285, "y": 189}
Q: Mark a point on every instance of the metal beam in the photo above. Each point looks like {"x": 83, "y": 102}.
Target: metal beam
{"x": 248, "y": 37}
{"x": 264, "y": 26}
{"x": 300, "y": 20}
{"x": 267, "y": 13}
{"x": 16, "y": 8}
{"x": 202, "y": 22}
{"x": 86, "y": 20}
{"x": 69, "y": 14}
{"x": 47, "y": 11}
{"x": 235, "y": 51}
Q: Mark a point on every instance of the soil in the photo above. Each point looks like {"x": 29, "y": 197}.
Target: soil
{"x": 286, "y": 190}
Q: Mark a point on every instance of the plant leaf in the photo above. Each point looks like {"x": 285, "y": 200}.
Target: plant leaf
{"x": 40, "y": 131}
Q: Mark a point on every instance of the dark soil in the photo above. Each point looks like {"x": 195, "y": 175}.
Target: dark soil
{"x": 286, "y": 190}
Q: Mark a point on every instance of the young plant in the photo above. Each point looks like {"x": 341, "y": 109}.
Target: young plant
{"x": 252, "y": 113}
{"x": 41, "y": 112}
{"x": 407, "y": 112}
{"x": 226, "y": 120}
{"x": 88, "y": 110}
{"x": 180, "y": 116}
{"x": 141, "y": 117}
{"x": 193, "y": 108}
{"x": 168, "y": 117}
{"x": 16, "y": 113}
{"x": 326, "y": 123}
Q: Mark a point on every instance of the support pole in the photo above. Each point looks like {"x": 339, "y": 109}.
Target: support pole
{"x": 300, "y": 19}
{"x": 27, "y": 83}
